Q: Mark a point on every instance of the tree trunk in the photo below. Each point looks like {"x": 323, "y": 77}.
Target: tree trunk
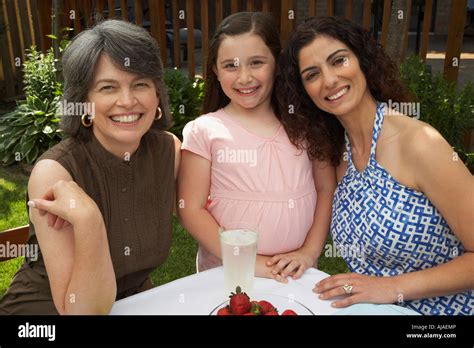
{"x": 397, "y": 28}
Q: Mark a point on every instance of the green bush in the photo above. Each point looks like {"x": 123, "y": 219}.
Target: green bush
{"x": 449, "y": 110}
{"x": 32, "y": 127}
{"x": 186, "y": 97}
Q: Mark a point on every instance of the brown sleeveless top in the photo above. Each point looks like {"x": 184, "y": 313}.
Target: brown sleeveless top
{"x": 136, "y": 200}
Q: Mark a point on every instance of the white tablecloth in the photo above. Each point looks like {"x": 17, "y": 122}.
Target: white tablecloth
{"x": 200, "y": 293}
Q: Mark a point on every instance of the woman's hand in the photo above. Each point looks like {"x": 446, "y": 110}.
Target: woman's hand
{"x": 65, "y": 202}
{"x": 291, "y": 264}
{"x": 365, "y": 289}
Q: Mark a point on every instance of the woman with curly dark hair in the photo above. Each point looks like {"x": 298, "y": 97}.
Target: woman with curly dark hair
{"x": 402, "y": 211}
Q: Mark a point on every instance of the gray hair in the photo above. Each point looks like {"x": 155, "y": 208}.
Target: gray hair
{"x": 122, "y": 42}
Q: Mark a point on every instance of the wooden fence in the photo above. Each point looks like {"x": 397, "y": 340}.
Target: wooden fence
{"x": 28, "y": 22}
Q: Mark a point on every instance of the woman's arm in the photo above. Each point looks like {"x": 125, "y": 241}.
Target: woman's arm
{"x": 444, "y": 179}
{"x": 76, "y": 257}
{"x": 194, "y": 181}
{"x": 177, "y": 161}
{"x": 298, "y": 261}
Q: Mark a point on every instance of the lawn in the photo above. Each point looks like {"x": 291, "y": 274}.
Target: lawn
{"x": 181, "y": 260}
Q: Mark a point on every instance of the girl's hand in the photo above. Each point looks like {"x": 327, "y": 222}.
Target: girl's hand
{"x": 65, "y": 202}
{"x": 291, "y": 264}
{"x": 366, "y": 289}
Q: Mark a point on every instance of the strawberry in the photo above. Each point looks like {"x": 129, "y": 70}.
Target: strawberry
{"x": 256, "y": 309}
{"x": 289, "y": 312}
{"x": 249, "y": 313}
{"x": 272, "y": 312}
{"x": 224, "y": 311}
{"x": 239, "y": 302}
{"x": 265, "y": 306}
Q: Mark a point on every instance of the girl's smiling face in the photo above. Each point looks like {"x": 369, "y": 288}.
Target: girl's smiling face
{"x": 331, "y": 75}
{"x": 245, "y": 68}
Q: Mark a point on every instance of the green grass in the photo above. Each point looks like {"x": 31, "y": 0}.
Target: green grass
{"x": 181, "y": 259}
{"x": 13, "y": 185}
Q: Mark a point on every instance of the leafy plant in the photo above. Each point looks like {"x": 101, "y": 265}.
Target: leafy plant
{"x": 186, "y": 97}
{"x": 449, "y": 110}
{"x": 32, "y": 127}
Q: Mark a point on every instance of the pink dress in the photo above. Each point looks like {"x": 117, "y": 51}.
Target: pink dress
{"x": 265, "y": 182}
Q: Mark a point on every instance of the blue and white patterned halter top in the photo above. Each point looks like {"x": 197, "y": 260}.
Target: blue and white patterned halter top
{"x": 384, "y": 228}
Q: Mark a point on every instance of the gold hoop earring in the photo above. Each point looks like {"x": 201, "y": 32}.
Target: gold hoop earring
{"x": 83, "y": 120}
{"x": 160, "y": 113}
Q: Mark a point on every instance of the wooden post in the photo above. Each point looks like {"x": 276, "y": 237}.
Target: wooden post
{"x": 157, "y": 19}
{"x": 24, "y": 22}
{"x": 250, "y": 6}
{"x": 455, "y": 38}
{"x": 426, "y": 29}
{"x": 330, "y": 7}
{"x": 312, "y": 8}
{"x": 367, "y": 14}
{"x": 286, "y": 20}
{"x": 111, "y": 6}
{"x": 124, "y": 9}
{"x": 219, "y": 12}
{"x": 234, "y": 6}
{"x": 405, "y": 32}
{"x": 138, "y": 12}
{"x": 349, "y": 10}
{"x": 176, "y": 34}
{"x": 387, "y": 11}
{"x": 190, "y": 37}
{"x": 266, "y": 6}
{"x": 87, "y": 8}
{"x": 205, "y": 34}
{"x": 7, "y": 64}
{"x": 36, "y": 25}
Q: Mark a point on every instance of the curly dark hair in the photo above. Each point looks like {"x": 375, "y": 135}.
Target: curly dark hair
{"x": 308, "y": 127}
{"x": 258, "y": 23}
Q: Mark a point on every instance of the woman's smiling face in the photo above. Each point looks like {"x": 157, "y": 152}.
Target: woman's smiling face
{"x": 125, "y": 106}
{"x": 331, "y": 75}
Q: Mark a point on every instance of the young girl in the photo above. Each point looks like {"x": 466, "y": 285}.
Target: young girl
{"x": 239, "y": 165}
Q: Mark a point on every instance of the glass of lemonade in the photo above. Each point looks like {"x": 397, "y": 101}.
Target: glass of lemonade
{"x": 239, "y": 253}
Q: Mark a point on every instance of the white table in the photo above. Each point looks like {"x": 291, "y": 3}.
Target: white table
{"x": 200, "y": 293}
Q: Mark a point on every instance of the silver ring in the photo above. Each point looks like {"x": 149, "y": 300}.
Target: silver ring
{"x": 347, "y": 289}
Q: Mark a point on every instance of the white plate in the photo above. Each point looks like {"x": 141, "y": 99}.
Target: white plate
{"x": 281, "y": 303}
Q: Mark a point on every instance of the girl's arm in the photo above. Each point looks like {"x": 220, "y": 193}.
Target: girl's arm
{"x": 194, "y": 181}
{"x": 299, "y": 260}
{"x": 76, "y": 255}
{"x": 450, "y": 187}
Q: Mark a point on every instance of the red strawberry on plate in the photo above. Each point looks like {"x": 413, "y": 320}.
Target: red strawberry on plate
{"x": 272, "y": 312}
{"x": 224, "y": 311}
{"x": 265, "y": 306}
{"x": 239, "y": 302}
{"x": 289, "y": 312}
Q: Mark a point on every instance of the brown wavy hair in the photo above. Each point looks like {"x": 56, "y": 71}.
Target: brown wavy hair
{"x": 258, "y": 23}
{"x": 308, "y": 127}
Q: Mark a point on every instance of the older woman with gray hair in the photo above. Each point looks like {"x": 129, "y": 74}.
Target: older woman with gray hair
{"x": 101, "y": 201}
